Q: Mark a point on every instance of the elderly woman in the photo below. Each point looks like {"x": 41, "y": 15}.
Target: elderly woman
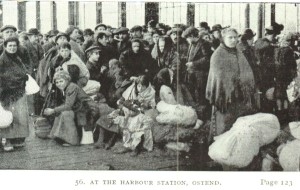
{"x": 230, "y": 87}
{"x": 13, "y": 77}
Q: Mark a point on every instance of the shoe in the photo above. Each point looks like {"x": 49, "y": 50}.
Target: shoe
{"x": 122, "y": 151}
{"x": 7, "y": 146}
{"x": 19, "y": 145}
{"x": 134, "y": 153}
{"x": 66, "y": 144}
{"x": 99, "y": 145}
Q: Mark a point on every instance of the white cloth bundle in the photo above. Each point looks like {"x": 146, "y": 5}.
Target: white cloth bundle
{"x": 289, "y": 155}
{"x": 267, "y": 125}
{"x": 176, "y": 114}
{"x": 6, "y": 117}
{"x": 235, "y": 148}
{"x": 241, "y": 143}
{"x": 87, "y": 137}
{"x": 92, "y": 87}
{"x": 31, "y": 86}
{"x": 295, "y": 129}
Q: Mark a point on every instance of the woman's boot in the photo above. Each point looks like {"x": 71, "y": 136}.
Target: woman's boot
{"x": 100, "y": 141}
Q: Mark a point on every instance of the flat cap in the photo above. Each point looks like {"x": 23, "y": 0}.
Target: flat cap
{"x": 92, "y": 48}
{"x": 175, "y": 30}
{"x": 62, "y": 34}
{"x": 101, "y": 24}
{"x": 52, "y": 33}
{"x": 217, "y": 27}
{"x": 190, "y": 31}
{"x": 121, "y": 30}
{"x": 33, "y": 31}
{"x": 136, "y": 28}
{"x": 7, "y": 27}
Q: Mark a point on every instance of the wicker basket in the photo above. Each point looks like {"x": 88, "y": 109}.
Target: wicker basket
{"x": 42, "y": 127}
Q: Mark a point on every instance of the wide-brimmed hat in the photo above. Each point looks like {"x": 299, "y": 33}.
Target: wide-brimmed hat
{"x": 121, "y": 30}
{"x": 204, "y": 25}
{"x": 62, "y": 34}
{"x": 275, "y": 28}
{"x": 101, "y": 24}
{"x": 33, "y": 31}
{"x": 248, "y": 33}
{"x": 217, "y": 27}
{"x": 7, "y": 27}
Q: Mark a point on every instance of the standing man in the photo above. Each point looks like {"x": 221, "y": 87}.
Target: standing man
{"x": 124, "y": 38}
{"x": 198, "y": 62}
{"x": 51, "y": 40}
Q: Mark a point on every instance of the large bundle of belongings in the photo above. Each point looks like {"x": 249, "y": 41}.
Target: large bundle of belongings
{"x": 238, "y": 146}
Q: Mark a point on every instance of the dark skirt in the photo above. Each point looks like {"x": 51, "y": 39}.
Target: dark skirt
{"x": 20, "y": 126}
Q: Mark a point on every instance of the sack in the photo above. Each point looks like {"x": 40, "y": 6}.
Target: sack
{"x": 42, "y": 127}
{"x": 87, "y": 137}
{"x": 92, "y": 87}
{"x": 31, "y": 86}
{"x": 6, "y": 118}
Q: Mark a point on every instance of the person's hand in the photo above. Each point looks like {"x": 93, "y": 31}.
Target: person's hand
{"x": 50, "y": 86}
{"x": 189, "y": 64}
{"x": 103, "y": 68}
{"x": 49, "y": 111}
{"x": 134, "y": 78}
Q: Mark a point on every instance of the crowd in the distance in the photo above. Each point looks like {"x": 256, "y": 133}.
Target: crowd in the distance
{"x": 108, "y": 82}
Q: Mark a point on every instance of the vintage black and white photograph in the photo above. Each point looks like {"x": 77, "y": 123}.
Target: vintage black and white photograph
{"x": 149, "y": 86}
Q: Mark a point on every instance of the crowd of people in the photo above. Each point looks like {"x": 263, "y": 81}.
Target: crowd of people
{"x": 106, "y": 82}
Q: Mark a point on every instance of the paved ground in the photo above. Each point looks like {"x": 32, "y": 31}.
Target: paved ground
{"x": 40, "y": 154}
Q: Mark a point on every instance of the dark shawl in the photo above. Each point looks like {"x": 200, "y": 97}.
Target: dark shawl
{"x": 230, "y": 78}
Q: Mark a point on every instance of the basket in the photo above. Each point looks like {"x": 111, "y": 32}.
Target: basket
{"x": 42, "y": 127}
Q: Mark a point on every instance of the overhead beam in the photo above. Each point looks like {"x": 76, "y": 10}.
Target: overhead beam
{"x": 191, "y": 14}
{"x": 22, "y": 16}
{"x": 260, "y": 20}
{"x": 151, "y": 12}
{"x": 73, "y": 13}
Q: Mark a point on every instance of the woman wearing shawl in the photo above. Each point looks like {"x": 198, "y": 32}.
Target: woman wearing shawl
{"x": 13, "y": 76}
{"x": 230, "y": 87}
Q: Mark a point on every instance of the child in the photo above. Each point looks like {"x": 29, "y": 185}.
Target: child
{"x": 96, "y": 70}
{"x": 73, "y": 114}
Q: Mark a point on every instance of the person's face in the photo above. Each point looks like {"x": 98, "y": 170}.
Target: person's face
{"x": 149, "y": 39}
{"x": 230, "y": 39}
{"x": 250, "y": 42}
{"x": 94, "y": 57}
{"x": 150, "y": 29}
{"x": 155, "y": 38}
{"x": 217, "y": 34}
{"x": 62, "y": 39}
{"x": 61, "y": 84}
{"x": 104, "y": 40}
{"x": 22, "y": 41}
{"x": 135, "y": 47}
{"x": 11, "y": 47}
{"x": 75, "y": 34}
{"x": 137, "y": 34}
{"x": 191, "y": 39}
{"x": 64, "y": 52}
{"x": 174, "y": 37}
{"x": 206, "y": 38}
{"x": 161, "y": 45}
{"x": 141, "y": 87}
{"x": 123, "y": 36}
{"x": 8, "y": 33}
{"x": 46, "y": 38}
{"x": 79, "y": 41}
{"x": 86, "y": 37}
{"x": 111, "y": 39}
{"x": 34, "y": 38}
{"x": 100, "y": 28}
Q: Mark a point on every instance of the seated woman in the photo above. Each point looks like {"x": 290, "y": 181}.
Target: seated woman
{"x": 142, "y": 91}
{"x": 73, "y": 115}
{"x": 137, "y": 128}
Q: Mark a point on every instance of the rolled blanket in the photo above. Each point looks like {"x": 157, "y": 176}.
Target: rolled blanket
{"x": 289, "y": 155}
